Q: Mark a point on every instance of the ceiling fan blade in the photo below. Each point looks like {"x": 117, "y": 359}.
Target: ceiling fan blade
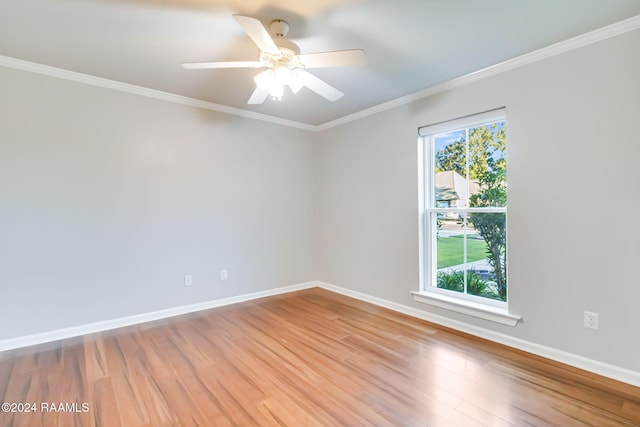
{"x": 228, "y": 64}
{"x": 258, "y": 34}
{"x": 336, "y": 58}
{"x": 258, "y": 96}
{"x": 319, "y": 86}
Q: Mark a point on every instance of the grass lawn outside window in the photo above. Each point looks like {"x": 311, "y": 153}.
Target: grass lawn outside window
{"x": 450, "y": 250}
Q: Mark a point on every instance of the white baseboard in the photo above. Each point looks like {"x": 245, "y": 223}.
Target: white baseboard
{"x": 594, "y": 366}
{"x": 75, "y": 331}
{"x": 600, "y": 368}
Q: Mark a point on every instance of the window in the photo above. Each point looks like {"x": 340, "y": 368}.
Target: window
{"x": 464, "y": 210}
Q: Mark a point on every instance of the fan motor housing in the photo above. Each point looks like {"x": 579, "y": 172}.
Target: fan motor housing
{"x": 287, "y": 45}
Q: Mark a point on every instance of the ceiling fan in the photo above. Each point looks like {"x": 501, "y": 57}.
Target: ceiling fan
{"x": 284, "y": 64}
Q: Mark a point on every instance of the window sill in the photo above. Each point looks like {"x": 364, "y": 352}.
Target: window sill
{"x": 481, "y": 311}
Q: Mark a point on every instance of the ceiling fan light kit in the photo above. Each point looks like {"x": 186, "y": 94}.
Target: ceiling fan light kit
{"x": 275, "y": 79}
{"x": 284, "y": 64}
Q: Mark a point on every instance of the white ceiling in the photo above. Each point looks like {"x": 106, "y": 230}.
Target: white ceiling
{"x": 411, "y": 44}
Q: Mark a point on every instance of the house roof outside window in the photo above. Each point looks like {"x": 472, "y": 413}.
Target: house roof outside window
{"x": 450, "y": 185}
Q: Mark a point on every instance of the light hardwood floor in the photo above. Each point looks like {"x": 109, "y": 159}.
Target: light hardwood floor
{"x": 308, "y": 358}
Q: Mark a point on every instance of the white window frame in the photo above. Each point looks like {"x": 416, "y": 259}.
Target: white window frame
{"x": 429, "y": 293}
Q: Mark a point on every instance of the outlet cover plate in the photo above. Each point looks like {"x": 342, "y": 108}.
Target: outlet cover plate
{"x": 591, "y": 320}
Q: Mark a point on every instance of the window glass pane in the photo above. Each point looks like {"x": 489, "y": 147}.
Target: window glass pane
{"x": 450, "y": 241}
{"x": 487, "y": 165}
{"x": 450, "y": 251}
{"x": 486, "y": 261}
{"x": 450, "y": 182}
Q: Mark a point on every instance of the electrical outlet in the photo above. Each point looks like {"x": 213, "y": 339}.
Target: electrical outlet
{"x": 188, "y": 280}
{"x": 224, "y": 274}
{"x": 591, "y": 320}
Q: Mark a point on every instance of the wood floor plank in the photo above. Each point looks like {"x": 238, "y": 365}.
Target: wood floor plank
{"x": 103, "y": 406}
{"x": 312, "y": 358}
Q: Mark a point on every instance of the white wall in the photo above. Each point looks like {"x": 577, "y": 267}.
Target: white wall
{"x": 573, "y": 198}
{"x": 108, "y": 199}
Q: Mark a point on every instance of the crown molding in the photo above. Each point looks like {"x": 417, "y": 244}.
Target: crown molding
{"x": 88, "y": 79}
{"x": 585, "y": 39}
